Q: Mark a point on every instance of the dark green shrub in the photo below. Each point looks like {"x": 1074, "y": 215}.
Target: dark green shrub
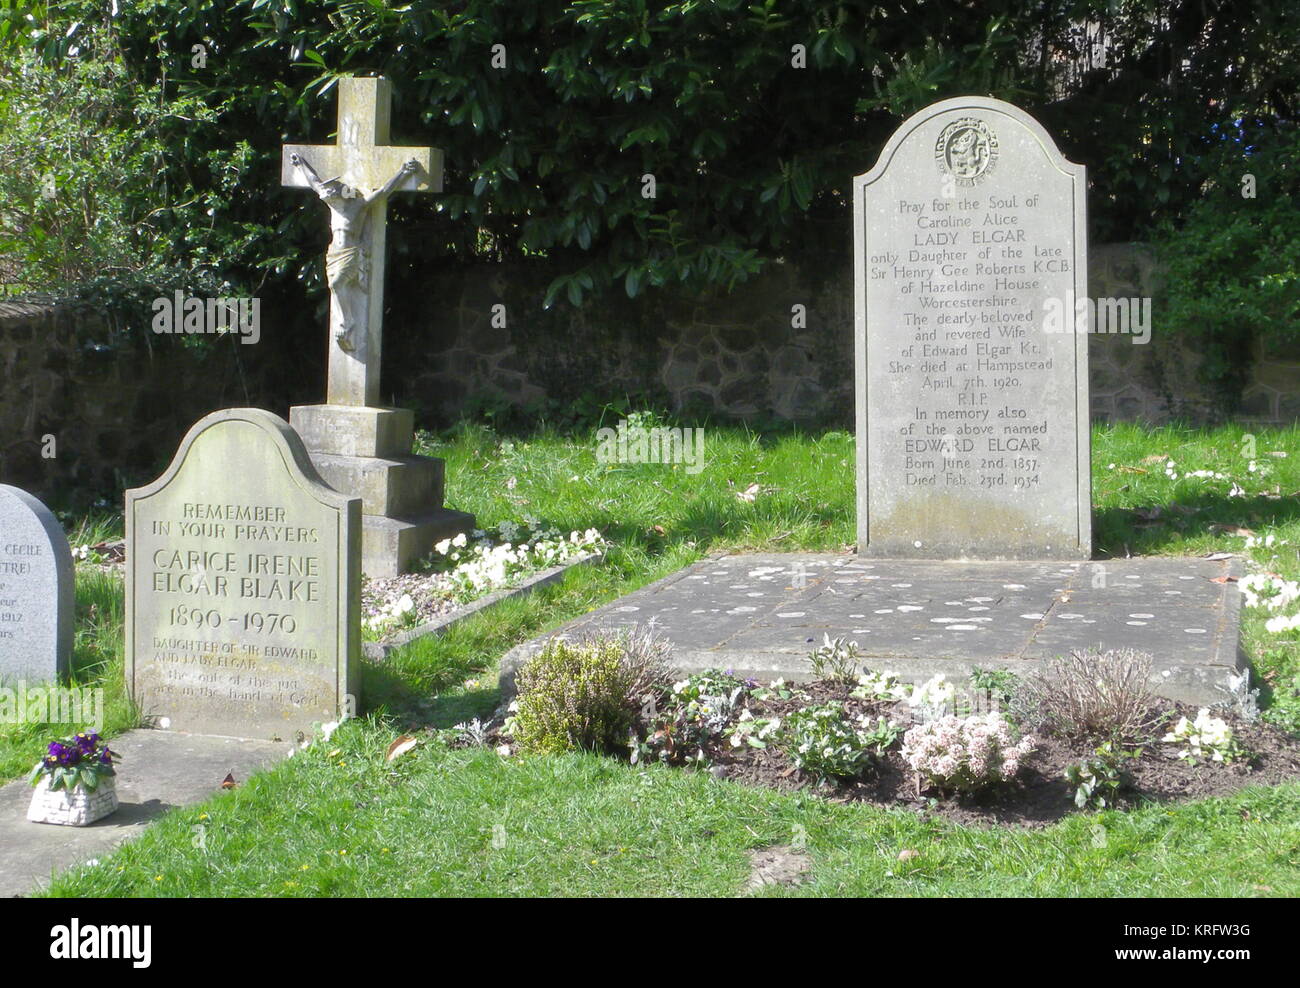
{"x": 1232, "y": 268}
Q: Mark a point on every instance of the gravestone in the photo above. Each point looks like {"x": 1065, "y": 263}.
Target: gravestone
{"x": 970, "y": 256}
{"x": 243, "y": 585}
{"x": 37, "y": 592}
{"x": 358, "y": 446}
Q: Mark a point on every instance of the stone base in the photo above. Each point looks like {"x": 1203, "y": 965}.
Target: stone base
{"x": 366, "y": 452}
{"x": 392, "y": 488}
{"x": 390, "y": 545}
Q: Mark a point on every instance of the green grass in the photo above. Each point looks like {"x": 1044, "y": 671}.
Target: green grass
{"x": 338, "y": 821}
{"x": 587, "y": 825}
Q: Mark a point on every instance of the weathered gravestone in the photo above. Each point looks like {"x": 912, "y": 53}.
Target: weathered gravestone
{"x": 36, "y": 591}
{"x": 358, "y": 446}
{"x": 970, "y": 256}
{"x": 243, "y": 585}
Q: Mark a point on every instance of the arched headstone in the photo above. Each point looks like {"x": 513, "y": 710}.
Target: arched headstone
{"x": 37, "y": 593}
{"x": 970, "y": 252}
{"x": 243, "y": 585}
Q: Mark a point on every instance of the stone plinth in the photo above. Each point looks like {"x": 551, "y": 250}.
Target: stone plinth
{"x": 365, "y": 452}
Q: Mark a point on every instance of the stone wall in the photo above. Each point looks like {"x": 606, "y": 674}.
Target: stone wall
{"x": 747, "y": 355}
{"x": 115, "y": 412}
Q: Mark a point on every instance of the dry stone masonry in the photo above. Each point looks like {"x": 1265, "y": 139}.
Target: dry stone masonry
{"x": 972, "y": 404}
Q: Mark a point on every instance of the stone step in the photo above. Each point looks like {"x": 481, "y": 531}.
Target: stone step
{"x": 396, "y": 486}
{"x": 390, "y": 545}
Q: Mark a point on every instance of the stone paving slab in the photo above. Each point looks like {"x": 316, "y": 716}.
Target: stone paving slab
{"x": 159, "y": 770}
{"x": 759, "y": 614}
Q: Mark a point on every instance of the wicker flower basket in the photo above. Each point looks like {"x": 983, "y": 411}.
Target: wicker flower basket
{"x": 78, "y": 808}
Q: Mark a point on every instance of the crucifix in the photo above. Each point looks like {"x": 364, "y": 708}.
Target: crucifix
{"x": 354, "y": 178}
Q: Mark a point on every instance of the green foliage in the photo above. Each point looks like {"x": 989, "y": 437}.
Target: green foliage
{"x": 587, "y": 695}
{"x": 106, "y": 201}
{"x": 1232, "y": 267}
{"x": 826, "y": 742}
{"x": 1098, "y": 779}
{"x": 749, "y": 116}
{"x": 696, "y": 711}
{"x": 999, "y": 683}
{"x": 1285, "y": 710}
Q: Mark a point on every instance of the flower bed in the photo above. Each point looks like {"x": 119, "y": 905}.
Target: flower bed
{"x": 1038, "y": 793}
{"x": 1080, "y": 734}
{"x": 466, "y": 568}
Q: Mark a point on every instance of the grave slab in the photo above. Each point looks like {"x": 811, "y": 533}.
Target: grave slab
{"x": 158, "y": 771}
{"x": 760, "y": 614}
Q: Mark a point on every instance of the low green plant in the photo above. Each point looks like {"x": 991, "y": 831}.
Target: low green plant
{"x": 882, "y": 685}
{"x": 586, "y": 695}
{"x": 696, "y": 711}
{"x": 835, "y": 660}
{"x": 751, "y": 731}
{"x": 828, "y": 743}
{"x": 998, "y": 683}
{"x": 1099, "y": 778}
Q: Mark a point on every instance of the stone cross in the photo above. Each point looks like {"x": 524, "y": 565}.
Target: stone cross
{"x": 354, "y": 178}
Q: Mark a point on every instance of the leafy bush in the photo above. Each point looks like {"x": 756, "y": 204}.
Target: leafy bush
{"x": 965, "y": 754}
{"x": 1232, "y": 267}
{"x": 696, "y": 711}
{"x": 1206, "y": 738}
{"x": 826, "y": 742}
{"x": 83, "y": 211}
{"x": 1090, "y": 695}
{"x": 1098, "y": 778}
{"x": 587, "y": 694}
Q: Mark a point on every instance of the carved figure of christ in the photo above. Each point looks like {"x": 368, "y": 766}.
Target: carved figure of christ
{"x": 347, "y": 263}
{"x": 354, "y": 178}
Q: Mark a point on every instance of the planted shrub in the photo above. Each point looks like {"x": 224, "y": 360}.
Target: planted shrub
{"x": 587, "y": 694}
{"x": 835, "y": 660}
{"x": 998, "y": 683}
{"x": 965, "y": 754}
{"x": 1204, "y": 739}
{"x": 1098, "y": 779}
{"x": 696, "y": 710}
{"x": 827, "y": 743}
{"x": 1090, "y": 696}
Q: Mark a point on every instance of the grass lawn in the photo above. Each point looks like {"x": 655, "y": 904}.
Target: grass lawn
{"x": 337, "y": 820}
